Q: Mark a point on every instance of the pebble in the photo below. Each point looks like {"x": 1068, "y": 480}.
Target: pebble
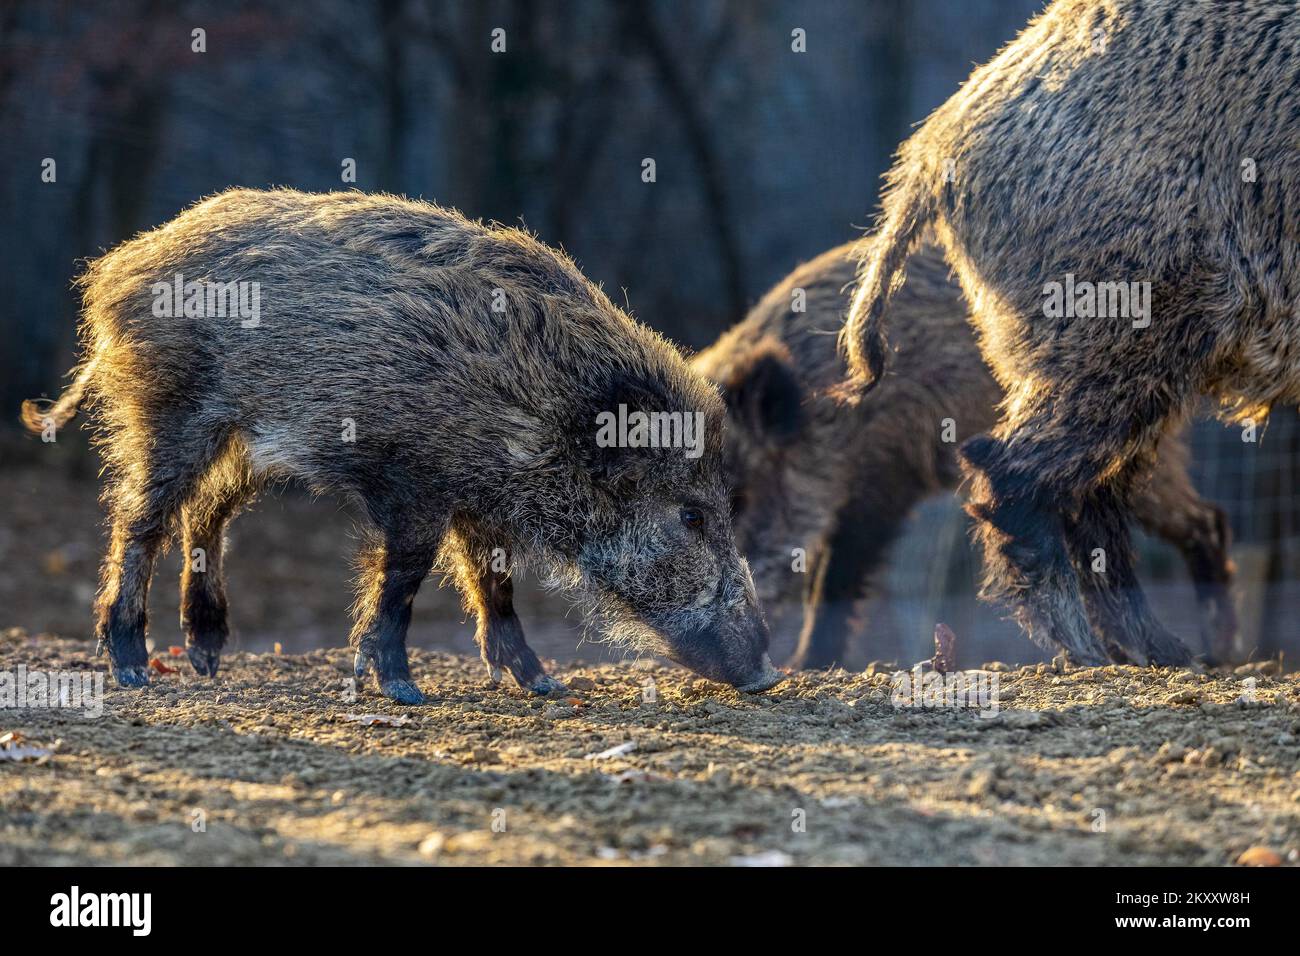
{"x": 981, "y": 785}
{"x": 432, "y": 845}
{"x": 1259, "y": 856}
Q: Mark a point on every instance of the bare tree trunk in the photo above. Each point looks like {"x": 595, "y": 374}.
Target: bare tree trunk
{"x": 891, "y": 75}
{"x": 640, "y": 29}
{"x": 392, "y": 27}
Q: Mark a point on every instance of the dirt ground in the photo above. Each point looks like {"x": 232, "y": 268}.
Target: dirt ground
{"x": 648, "y": 764}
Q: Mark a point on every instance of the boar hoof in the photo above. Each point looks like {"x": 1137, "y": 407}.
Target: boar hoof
{"x": 205, "y": 661}
{"x": 132, "y": 676}
{"x": 401, "y": 690}
{"x": 361, "y": 665}
{"x": 544, "y": 685}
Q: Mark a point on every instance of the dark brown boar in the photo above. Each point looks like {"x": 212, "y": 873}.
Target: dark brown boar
{"x": 839, "y": 481}
{"x": 1147, "y": 145}
{"x": 446, "y": 376}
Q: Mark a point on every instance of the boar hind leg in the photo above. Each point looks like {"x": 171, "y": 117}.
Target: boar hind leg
{"x": 1169, "y": 506}
{"x": 390, "y": 576}
{"x": 1103, "y": 554}
{"x": 203, "y": 584}
{"x": 121, "y": 609}
{"x": 143, "y": 506}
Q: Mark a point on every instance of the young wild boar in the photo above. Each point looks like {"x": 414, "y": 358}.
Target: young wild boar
{"x": 448, "y": 377}
{"x": 839, "y": 481}
{"x": 1119, "y": 193}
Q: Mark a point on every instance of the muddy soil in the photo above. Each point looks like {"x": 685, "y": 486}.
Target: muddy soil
{"x": 640, "y": 763}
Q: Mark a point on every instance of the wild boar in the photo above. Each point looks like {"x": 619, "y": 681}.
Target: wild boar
{"x": 454, "y": 380}
{"x": 1118, "y": 192}
{"x": 839, "y": 481}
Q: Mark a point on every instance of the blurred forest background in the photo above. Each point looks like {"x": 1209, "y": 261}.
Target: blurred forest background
{"x": 765, "y": 157}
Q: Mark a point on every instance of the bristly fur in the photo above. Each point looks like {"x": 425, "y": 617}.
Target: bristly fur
{"x": 1115, "y": 141}
{"x": 472, "y": 361}
{"x": 842, "y": 484}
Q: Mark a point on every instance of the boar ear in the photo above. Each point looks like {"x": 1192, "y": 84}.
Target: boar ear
{"x": 765, "y": 394}
{"x": 615, "y": 467}
{"x": 600, "y": 451}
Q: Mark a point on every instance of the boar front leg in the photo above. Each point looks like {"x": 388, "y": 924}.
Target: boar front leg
{"x": 1019, "y": 524}
{"x": 1169, "y": 506}
{"x": 390, "y": 576}
{"x": 864, "y": 531}
{"x": 1114, "y": 598}
{"x": 204, "y": 610}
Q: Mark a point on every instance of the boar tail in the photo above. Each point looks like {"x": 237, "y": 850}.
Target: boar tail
{"x": 38, "y": 413}
{"x": 910, "y": 205}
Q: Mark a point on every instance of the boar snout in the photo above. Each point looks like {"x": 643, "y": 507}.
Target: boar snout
{"x": 767, "y": 678}
{"x": 736, "y": 657}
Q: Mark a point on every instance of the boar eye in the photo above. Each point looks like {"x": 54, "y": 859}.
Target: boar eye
{"x": 693, "y": 518}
